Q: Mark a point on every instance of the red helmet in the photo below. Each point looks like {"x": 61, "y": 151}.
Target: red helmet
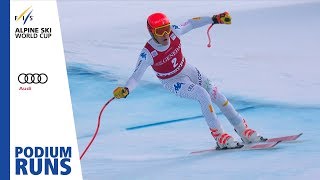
{"x": 156, "y": 20}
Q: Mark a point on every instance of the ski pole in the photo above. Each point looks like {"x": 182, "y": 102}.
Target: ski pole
{"x": 97, "y": 129}
{"x": 209, "y": 44}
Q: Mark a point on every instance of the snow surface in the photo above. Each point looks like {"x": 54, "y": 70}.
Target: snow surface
{"x": 265, "y": 62}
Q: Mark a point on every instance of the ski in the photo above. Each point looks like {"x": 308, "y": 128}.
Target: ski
{"x": 270, "y": 143}
{"x": 255, "y": 146}
{"x": 284, "y": 138}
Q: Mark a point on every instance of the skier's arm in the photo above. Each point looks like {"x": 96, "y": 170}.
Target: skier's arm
{"x": 144, "y": 61}
{"x": 223, "y": 18}
{"x": 191, "y": 24}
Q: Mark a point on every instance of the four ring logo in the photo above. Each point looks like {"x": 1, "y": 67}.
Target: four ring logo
{"x": 29, "y": 78}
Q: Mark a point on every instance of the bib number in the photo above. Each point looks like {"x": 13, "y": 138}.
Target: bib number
{"x": 174, "y": 62}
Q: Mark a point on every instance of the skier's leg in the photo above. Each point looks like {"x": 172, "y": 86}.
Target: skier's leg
{"x": 239, "y": 123}
{"x": 184, "y": 88}
{"x": 225, "y": 107}
{"x": 219, "y": 99}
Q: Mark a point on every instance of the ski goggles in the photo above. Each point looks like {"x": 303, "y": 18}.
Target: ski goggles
{"x": 160, "y": 31}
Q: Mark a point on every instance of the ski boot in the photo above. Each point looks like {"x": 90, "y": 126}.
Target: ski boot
{"x": 224, "y": 140}
{"x": 248, "y": 135}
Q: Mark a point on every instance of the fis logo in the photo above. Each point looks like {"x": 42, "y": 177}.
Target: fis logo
{"x": 25, "y": 16}
{"x": 177, "y": 86}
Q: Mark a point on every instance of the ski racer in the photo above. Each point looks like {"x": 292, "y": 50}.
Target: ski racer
{"x": 163, "y": 52}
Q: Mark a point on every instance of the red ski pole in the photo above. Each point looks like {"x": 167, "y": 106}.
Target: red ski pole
{"x": 209, "y": 44}
{"x": 97, "y": 129}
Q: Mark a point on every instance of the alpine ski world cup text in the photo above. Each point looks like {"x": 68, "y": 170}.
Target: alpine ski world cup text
{"x": 33, "y": 32}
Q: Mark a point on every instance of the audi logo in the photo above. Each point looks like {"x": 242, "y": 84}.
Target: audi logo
{"x": 29, "y": 78}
